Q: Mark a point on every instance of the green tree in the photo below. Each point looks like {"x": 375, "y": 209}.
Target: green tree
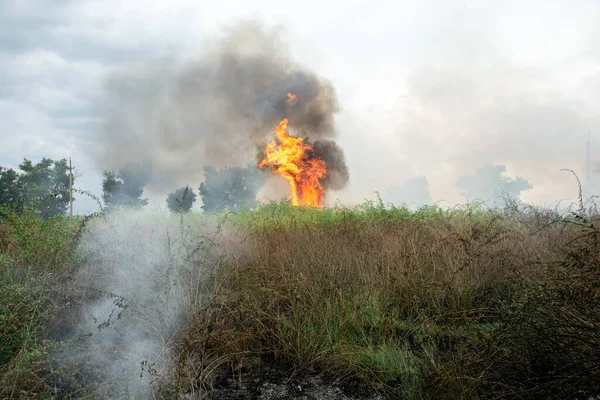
{"x": 111, "y": 185}
{"x": 488, "y": 184}
{"x": 230, "y": 188}
{"x": 126, "y": 187}
{"x": 11, "y": 188}
{"x": 181, "y": 200}
{"x": 46, "y": 185}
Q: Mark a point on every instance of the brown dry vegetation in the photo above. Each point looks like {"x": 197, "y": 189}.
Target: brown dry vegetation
{"x": 457, "y": 304}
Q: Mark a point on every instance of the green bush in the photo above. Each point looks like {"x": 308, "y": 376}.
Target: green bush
{"x": 35, "y": 254}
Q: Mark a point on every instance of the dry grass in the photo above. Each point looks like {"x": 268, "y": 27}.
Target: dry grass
{"x": 464, "y": 303}
{"x": 416, "y": 306}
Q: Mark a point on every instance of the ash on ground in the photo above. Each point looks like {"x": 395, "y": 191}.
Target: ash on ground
{"x": 279, "y": 383}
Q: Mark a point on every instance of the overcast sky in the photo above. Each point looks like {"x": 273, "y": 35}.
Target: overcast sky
{"x": 427, "y": 88}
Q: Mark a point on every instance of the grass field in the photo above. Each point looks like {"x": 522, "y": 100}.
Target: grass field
{"x": 461, "y": 303}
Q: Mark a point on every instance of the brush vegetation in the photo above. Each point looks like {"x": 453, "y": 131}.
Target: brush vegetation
{"x": 436, "y": 303}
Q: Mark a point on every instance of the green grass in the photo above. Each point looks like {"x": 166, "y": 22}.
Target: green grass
{"x": 34, "y": 253}
{"x": 284, "y": 215}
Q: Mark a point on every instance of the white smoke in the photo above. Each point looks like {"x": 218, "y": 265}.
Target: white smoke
{"x": 142, "y": 276}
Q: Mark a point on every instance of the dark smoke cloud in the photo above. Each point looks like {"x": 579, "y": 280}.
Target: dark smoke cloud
{"x": 337, "y": 172}
{"x": 219, "y": 109}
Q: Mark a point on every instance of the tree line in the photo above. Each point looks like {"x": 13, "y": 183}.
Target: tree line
{"x": 44, "y": 186}
{"x": 228, "y": 188}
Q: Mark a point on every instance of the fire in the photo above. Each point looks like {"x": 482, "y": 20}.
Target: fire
{"x": 296, "y": 161}
{"x": 292, "y": 98}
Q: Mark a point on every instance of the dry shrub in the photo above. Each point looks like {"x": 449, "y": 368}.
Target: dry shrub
{"x": 549, "y": 346}
{"x": 462, "y": 305}
{"x": 7, "y": 242}
{"x": 417, "y": 267}
{"x": 360, "y": 298}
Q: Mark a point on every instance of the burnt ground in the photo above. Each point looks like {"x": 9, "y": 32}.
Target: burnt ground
{"x": 278, "y": 382}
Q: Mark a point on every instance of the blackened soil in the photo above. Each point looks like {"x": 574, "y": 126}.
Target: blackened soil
{"x": 279, "y": 382}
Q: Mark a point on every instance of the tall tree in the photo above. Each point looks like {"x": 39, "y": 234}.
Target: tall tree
{"x": 488, "y": 184}
{"x": 46, "y": 185}
{"x": 230, "y": 188}
{"x": 126, "y": 187}
{"x": 11, "y": 188}
{"x": 181, "y": 200}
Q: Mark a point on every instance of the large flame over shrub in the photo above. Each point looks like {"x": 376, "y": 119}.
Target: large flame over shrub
{"x": 297, "y": 162}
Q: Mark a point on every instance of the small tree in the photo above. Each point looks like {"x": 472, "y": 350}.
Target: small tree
{"x": 181, "y": 200}
{"x": 135, "y": 177}
{"x": 230, "y": 188}
{"x": 126, "y": 187}
{"x": 46, "y": 185}
{"x": 111, "y": 185}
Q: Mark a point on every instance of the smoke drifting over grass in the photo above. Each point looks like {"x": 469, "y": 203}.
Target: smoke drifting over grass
{"x": 218, "y": 109}
{"x": 142, "y": 277}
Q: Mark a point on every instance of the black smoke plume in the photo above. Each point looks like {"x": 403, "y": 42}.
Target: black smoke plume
{"x": 337, "y": 172}
{"x": 218, "y": 109}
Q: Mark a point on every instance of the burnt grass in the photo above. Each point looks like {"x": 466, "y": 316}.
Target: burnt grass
{"x": 277, "y": 380}
{"x": 371, "y": 302}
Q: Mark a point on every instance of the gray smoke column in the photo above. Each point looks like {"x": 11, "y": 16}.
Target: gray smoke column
{"x": 218, "y": 109}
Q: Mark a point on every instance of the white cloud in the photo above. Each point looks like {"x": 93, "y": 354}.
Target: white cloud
{"x": 28, "y": 131}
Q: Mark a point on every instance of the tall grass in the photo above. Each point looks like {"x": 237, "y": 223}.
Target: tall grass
{"x": 434, "y": 303}
{"x": 406, "y": 301}
{"x": 35, "y": 254}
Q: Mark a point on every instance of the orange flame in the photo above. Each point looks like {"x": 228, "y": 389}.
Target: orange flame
{"x": 292, "y": 98}
{"x": 295, "y": 160}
